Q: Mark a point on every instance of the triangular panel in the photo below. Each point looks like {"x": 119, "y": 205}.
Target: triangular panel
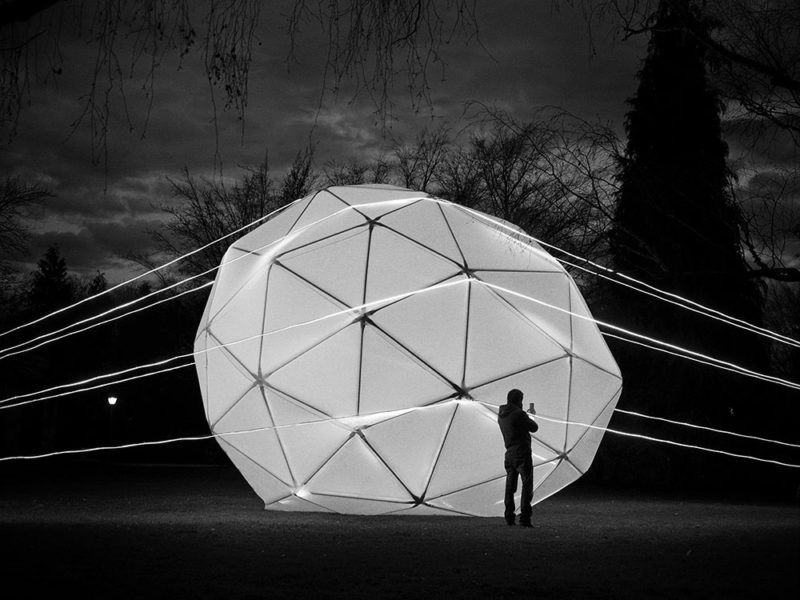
{"x": 587, "y": 341}
{"x": 343, "y": 221}
{"x": 298, "y": 317}
{"x": 410, "y": 443}
{"x": 296, "y": 504}
{"x": 502, "y": 342}
{"x": 391, "y": 379}
{"x": 310, "y": 445}
{"x": 336, "y": 266}
{"x": 266, "y": 485}
{"x": 233, "y": 324}
{"x": 356, "y": 471}
{"x": 583, "y": 453}
{"x": 590, "y": 391}
{"x": 325, "y": 377}
{"x": 472, "y": 453}
{"x": 488, "y": 246}
{"x": 398, "y": 266}
{"x": 286, "y": 411}
{"x": 549, "y": 289}
{"x": 237, "y": 270}
{"x": 561, "y": 477}
{"x": 227, "y": 382}
{"x": 483, "y": 500}
{"x": 380, "y": 198}
{"x": 357, "y": 506}
{"x": 540, "y": 474}
{"x": 260, "y": 443}
{"x": 423, "y": 222}
{"x": 320, "y": 210}
{"x": 433, "y": 326}
{"x": 262, "y": 239}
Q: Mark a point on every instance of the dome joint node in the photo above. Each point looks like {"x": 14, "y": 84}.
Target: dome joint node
{"x": 463, "y": 394}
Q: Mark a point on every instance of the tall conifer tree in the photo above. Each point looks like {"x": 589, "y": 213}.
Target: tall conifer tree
{"x": 676, "y": 227}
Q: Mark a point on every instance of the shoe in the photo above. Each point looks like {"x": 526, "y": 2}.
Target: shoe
{"x": 510, "y": 523}
{"x": 525, "y": 524}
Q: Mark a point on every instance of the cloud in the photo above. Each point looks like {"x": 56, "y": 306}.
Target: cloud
{"x": 530, "y": 56}
{"x": 98, "y": 246}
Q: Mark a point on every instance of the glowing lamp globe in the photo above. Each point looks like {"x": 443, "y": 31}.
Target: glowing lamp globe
{"x": 355, "y": 349}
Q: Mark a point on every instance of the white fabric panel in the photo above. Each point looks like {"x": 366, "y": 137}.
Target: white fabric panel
{"x": 591, "y": 390}
{"x": 398, "y": 266}
{"x": 271, "y": 231}
{"x": 355, "y": 471}
{"x": 200, "y": 337}
{"x": 249, "y": 412}
{"x": 410, "y": 443}
{"x": 549, "y": 288}
{"x": 543, "y": 451}
{"x": 586, "y": 339}
{"x": 423, "y": 222}
{"x": 490, "y": 247}
{"x": 295, "y": 504}
{"x": 262, "y": 447}
{"x": 336, "y": 265}
{"x": 561, "y": 477}
{"x": 375, "y": 192}
{"x": 311, "y": 314}
{"x": 325, "y": 377}
{"x": 472, "y": 452}
{"x": 286, "y": 411}
{"x": 236, "y": 274}
{"x": 433, "y": 326}
{"x": 501, "y": 341}
{"x": 201, "y": 366}
{"x": 265, "y": 484}
{"x": 540, "y": 474}
{"x": 322, "y": 205}
{"x": 363, "y": 421}
{"x": 343, "y": 222}
{"x": 391, "y": 379}
{"x": 373, "y": 207}
{"x": 356, "y": 506}
{"x": 308, "y": 446}
{"x": 239, "y": 320}
{"x": 484, "y": 500}
{"x": 582, "y": 454}
{"x": 227, "y": 382}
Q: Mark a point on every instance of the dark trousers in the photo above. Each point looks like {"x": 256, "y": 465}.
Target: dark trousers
{"x": 519, "y": 466}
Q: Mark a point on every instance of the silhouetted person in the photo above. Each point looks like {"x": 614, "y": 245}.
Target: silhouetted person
{"x": 517, "y": 427}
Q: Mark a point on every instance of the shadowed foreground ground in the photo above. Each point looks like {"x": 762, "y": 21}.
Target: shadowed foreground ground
{"x": 122, "y": 531}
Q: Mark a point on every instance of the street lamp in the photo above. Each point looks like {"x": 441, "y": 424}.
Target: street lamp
{"x": 112, "y": 400}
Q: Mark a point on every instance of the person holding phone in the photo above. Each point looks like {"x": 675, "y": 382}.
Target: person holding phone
{"x": 516, "y": 427}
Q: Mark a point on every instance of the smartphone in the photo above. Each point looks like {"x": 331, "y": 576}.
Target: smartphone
{"x": 531, "y": 409}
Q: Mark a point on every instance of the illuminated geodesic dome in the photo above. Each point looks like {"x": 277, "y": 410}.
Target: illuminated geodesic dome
{"x": 356, "y": 346}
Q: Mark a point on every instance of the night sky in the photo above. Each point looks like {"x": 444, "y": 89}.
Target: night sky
{"x": 531, "y": 57}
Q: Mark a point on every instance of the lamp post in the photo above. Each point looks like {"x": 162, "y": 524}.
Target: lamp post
{"x": 112, "y": 400}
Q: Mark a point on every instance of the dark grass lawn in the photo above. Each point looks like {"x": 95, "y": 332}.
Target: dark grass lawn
{"x": 105, "y": 530}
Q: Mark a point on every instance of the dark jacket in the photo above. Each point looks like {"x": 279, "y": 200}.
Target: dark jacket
{"x": 516, "y": 426}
